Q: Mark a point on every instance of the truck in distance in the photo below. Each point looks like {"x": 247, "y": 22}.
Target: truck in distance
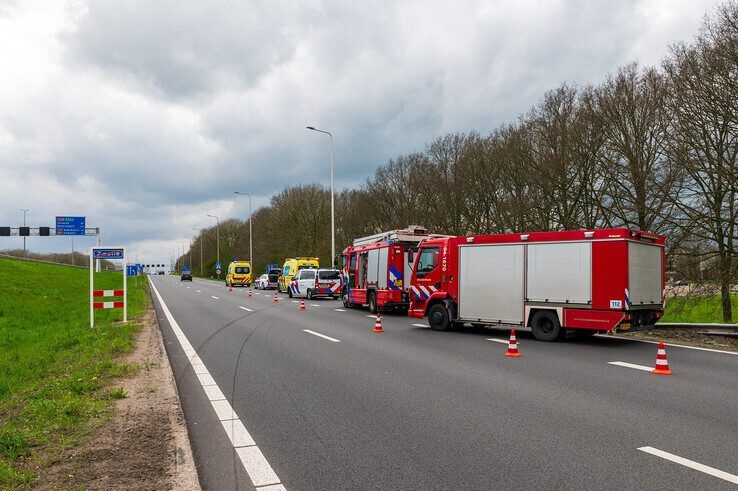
{"x": 585, "y": 280}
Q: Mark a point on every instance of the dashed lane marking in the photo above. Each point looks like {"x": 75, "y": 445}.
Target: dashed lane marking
{"x": 215, "y": 297}
{"x": 198, "y": 291}
{"x": 420, "y": 325}
{"x": 314, "y": 305}
{"x": 691, "y": 464}
{"x": 372, "y": 316}
{"x": 256, "y": 465}
{"x": 339, "y": 310}
{"x": 503, "y": 341}
{"x": 630, "y": 365}
{"x": 322, "y": 336}
{"x": 245, "y": 308}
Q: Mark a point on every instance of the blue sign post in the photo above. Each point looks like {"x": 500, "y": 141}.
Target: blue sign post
{"x": 70, "y": 225}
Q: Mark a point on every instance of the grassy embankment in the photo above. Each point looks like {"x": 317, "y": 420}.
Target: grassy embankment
{"x": 707, "y": 309}
{"x": 55, "y": 372}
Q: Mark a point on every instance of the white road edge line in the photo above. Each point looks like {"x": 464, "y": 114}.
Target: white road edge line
{"x": 215, "y": 297}
{"x": 322, "y": 336}
{"x": 698, "y": 348}
{"x": 254, "y": 462}
{"x": 502, "y": 341}
{"x": 691, "y": 464}
{"x": 245, "y": 308}
{"x": 630, "y": 365}
{"x": 339, "y": 310}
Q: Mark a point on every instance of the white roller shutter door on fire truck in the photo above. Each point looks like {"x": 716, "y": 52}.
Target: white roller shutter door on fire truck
{"x": 491, "y": 283}
{"x": 560, "y": 272}
{"x": 644, "y": 273}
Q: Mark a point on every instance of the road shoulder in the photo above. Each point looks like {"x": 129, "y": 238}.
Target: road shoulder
{"x": 144, "y": 444}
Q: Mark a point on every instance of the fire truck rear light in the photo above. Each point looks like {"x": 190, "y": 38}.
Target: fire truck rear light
{"x": 469, "y": 240}
{"x": 589, "y": 235}
{"x": 524, "y": 237}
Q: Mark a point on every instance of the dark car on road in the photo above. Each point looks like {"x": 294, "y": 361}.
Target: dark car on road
{"x": 186, "y": 275}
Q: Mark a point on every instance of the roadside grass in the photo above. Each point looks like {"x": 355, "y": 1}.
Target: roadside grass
{"x": 54, "y": 369}
{"x": 698, "y": 308}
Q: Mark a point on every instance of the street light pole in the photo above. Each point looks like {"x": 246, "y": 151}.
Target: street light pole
{"x": 24, "y": 210}
{"x": 333, "y": 212}
{"x": 217, "y": 238}
{"x": 200, "y": 230}
{"x": 190, "y": 249}
{"x": 181, "y": 255}
{"x": 251, "y": 243}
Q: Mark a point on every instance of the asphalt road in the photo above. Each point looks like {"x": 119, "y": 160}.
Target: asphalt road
{"x": 343, "y": 407}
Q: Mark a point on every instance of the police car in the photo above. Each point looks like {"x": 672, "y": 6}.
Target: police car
{"x": 313, "y": 283}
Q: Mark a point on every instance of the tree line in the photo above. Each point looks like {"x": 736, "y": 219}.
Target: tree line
{"x": 652, "y": 148}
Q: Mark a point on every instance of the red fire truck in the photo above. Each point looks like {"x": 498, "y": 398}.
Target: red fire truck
{"x": 375, "y": 268}
{"x": 548, "y": 282}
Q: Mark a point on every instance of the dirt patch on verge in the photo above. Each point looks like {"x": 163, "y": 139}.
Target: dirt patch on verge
{"x": 144, "y": 444}
{"x": 687, "y": 336}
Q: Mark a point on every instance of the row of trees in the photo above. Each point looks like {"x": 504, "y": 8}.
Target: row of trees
{"x": 650, "y": 148}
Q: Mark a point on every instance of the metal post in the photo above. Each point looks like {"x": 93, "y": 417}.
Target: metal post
{"x": 251, "y": 235}
{"x": 333, "y": 212}
{"x": 125, "y": 290}
{"x": 200, "y": 235}
{"x": 92, "y": 283}
{"x": 217, "y": 238}
{"x": 97, "y": 261}
{"x": 72, "y": 250}
{"x": 24, "y": 224}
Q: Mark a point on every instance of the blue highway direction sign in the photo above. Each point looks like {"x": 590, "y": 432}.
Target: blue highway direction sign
{"x": 70, "y": 225}
{"x": 107, "y": 253}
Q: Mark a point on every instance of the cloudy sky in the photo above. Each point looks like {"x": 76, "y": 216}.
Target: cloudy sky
{"x": 144, "y": 116}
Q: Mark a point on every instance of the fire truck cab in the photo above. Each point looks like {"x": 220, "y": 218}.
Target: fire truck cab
{"x": 375, "y": 269}
{"x": 546, "y": 282}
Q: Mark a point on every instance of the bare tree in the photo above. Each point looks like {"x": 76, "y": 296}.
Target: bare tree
{"x": 703, "y": 103}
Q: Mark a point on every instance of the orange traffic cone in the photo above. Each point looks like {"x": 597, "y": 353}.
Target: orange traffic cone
{"x": 230, "y": 288}
{"x": 378, "y": 323}
{"x": 512, "y": 345}
{"x": 302, "y": 304}
{"x": 662, "y": 366}
{"x": 276, "y": 299}
{"x": 250, "y": 293}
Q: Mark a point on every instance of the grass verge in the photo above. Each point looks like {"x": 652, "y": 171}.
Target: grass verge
{"x": 698, "y": 308}
{"x": 54, "y": 369}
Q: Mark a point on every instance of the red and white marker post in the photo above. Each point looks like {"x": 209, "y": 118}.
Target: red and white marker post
{"x": 109, "y": 252}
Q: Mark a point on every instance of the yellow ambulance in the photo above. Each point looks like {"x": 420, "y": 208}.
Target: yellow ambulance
{"x": 292, "y": 266}
{"x": 239, "y": 273}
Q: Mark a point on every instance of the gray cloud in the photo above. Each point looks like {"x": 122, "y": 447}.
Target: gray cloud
{"x": 145, "y": 116}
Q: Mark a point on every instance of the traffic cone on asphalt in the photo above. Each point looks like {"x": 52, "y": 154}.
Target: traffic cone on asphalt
{"x": 250, "y": 293}
{"x": 512, "y": 345}
{"x": 378, "y": 323}
{"x": 230, "y": 288}
{"x": 662, "y": 366}
{"x": 276, "y": 299}
{"x": 302, "y": 304}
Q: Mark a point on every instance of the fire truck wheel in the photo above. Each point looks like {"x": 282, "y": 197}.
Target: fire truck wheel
{"x": 372, "y": 301}
{"x": 545, "y": 326}
{"x": 438, "y": 318}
